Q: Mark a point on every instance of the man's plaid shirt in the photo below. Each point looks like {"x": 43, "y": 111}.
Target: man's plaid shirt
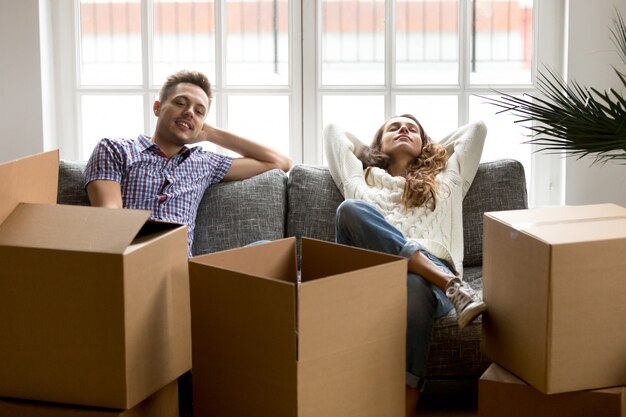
{"x": 171, "y": 188}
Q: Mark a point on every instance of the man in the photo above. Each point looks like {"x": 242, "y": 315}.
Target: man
{"x": 162, "y": 173}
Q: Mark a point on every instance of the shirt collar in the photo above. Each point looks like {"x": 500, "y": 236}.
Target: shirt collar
{"x": 144, "y": 143}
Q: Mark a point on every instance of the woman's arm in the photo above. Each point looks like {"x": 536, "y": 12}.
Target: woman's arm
{"x": 465, "y": 147}
{"x": 345, "y": 168}
{"x": 255, "y": 158}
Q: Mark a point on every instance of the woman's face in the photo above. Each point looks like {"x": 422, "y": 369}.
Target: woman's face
{"x": 401, "y": 137}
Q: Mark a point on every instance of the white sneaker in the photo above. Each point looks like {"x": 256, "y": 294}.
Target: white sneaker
{"x": 466, "y": 302}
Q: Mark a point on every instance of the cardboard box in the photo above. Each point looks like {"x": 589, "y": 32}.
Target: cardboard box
{"x": 164, "y": 403}
{"x": 264, "y": 345}
{"x": 33, "y": 179}
{"x": 94, "y": 302}
{"x": 501, "y": 393}
{"x": 554, "y": 283}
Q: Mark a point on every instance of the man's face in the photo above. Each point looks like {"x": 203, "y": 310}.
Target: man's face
{"x": 181, "y": 115}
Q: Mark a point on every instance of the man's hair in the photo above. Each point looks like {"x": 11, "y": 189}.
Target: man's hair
{"x": 191, "y": 77}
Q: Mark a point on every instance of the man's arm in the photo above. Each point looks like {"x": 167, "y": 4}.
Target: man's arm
{"x": 105, "y": 193}
{"x": 256, "y": 158}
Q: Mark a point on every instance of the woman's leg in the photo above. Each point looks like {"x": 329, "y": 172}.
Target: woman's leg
{"x": 360, "y": 224}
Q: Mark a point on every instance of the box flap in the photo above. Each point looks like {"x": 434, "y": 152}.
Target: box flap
{"x": 33, "y": 179}
{"x": 349, "y": 296}
{"x": 496, "y": 373}
{"x": 253, "y": 320}
{"x": 315, "y": 253}
{"x": 74, "y": 228}
{"x": 275, "y": 260}
{"x": 153, "y": 229}
{"x": 568, "y": 224}
{"x": 543, "y": 215}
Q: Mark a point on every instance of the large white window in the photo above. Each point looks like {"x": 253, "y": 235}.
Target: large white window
{"x": 282, "y": 69}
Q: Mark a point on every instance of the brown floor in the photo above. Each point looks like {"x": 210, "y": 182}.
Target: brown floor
{"x": 439, "y": 399}
{"x": 449, "y": 399}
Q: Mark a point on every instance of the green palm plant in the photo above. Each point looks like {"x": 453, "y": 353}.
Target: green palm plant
{"x": 572, "y": 118}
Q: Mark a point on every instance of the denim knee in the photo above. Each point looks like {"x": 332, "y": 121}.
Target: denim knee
{"x": 360, "y": 224}
{"x": 348, "y": 211}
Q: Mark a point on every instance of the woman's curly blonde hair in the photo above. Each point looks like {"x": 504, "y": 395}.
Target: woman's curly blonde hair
{"x": 420, "y": 187}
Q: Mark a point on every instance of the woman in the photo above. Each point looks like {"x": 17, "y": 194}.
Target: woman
{"x": 404, "y": 196}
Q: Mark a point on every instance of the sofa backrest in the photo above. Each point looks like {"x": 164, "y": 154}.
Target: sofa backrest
{"x": 235, "y": 214}
{"x": 230, "y": 215}
{"x": 498, "y": 186}
{"x": 313, "y": 199}
{"x": 273, "y": 205}
{"x": 71, "y": 188}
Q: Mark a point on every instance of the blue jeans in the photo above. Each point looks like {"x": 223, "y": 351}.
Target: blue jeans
{"x": 360, "y": 224}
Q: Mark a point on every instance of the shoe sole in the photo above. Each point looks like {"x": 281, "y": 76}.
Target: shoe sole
{"x": 470, "y": 313}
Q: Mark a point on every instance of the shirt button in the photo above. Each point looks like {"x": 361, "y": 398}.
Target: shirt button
{"x": 162, "y": 199}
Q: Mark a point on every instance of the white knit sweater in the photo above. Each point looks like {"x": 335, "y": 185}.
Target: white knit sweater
{"x": 439, "y": 231}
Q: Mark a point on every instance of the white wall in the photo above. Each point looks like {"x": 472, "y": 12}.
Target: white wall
{"x": 588, "y": 61}
{"x": 21, "y": 100}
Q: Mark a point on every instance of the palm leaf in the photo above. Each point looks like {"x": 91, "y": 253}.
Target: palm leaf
{"x": 572, "y": 118}
{"x": 618, "y": 34}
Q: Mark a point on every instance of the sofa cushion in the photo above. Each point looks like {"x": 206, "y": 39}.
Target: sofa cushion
{"x": 314, "y": 198}
{"x": 313, "y": 201}
{"x": 230, "y": 214}
{"x": 72, "y": 183}
{"x": 234, "y": 214}
{"x": 498, "y": 185}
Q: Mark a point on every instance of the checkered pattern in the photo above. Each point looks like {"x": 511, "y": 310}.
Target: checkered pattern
{"x": 171, "y": 188}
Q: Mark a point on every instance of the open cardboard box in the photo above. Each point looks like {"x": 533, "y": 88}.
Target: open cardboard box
{"x": 554, "y": 280}
{"x": 163, "y": 403}
{"x": 265, "y": 345}
{"x": 501, "y": 393}
{"x": 94, "y": 302}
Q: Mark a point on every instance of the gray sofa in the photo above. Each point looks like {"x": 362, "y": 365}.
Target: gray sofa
{"x": 274, "y": 205}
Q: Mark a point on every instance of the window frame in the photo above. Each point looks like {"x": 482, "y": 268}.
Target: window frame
{"x": 546, "y": 176}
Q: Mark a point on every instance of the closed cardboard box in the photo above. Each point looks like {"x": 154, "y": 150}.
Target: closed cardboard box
{"x": 265, "y": 345}
{"x": 501, "y": 393}
{"x": 555, "y": 280}
{"x": 163, "y": 403}
{"x": 94, "y": 302}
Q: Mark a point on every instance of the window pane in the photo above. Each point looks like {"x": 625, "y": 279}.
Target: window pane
{"x": 109, "y": 117}
{"x": 359, "y": 115}
{"x": 504, "y": 138}
{"x": 257, "y": 44}
{"x": 353, "y": 42}
{"x": 261, "y": 118}
{"x": 438, "y": 115}
{"x": 110, "y": 42}
{"x": 502, "y": 41}
{"x": 427, "y": 41}
{"x": 184, "y": 38}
